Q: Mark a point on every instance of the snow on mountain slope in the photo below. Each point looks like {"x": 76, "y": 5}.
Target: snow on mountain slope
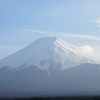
{"x": 46, "y": 52}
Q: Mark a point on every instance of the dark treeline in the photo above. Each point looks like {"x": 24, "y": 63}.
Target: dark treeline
{"x": 55, "y": 98}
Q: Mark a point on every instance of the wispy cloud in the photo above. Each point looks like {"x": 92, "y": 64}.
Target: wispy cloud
{"x": 82, "y": 36}
{"x": 38, "y": 31}
{"x": 61, "y": 34}
{"x": 98, "y": 22}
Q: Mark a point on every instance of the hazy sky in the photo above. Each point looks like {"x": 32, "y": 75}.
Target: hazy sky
{"x": 24, "y": 21}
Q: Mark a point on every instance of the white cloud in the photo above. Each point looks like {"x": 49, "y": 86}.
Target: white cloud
{"x": 38, "y": 31}
{"x": 61, "y": 34}
{"x": 81, "y": 36}
{"x": 91, "y": 50}
{"x": 87, "y": 48}
{"x": 98, "y": 22}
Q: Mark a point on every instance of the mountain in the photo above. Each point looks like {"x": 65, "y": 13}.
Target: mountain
{"x": 49, "y": 67}
{"x": 49, "y": 50}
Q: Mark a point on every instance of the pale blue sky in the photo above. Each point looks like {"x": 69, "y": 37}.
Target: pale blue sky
{"x": 24, "y": 21}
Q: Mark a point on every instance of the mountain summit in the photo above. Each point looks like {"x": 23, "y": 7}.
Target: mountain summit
{"x": 48, "y": 51}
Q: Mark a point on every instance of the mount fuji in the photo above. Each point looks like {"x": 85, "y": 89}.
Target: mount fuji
{"x": 49, "y": 67}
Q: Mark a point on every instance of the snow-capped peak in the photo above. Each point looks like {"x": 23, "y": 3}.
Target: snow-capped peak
{"x": 49, "y": 52}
